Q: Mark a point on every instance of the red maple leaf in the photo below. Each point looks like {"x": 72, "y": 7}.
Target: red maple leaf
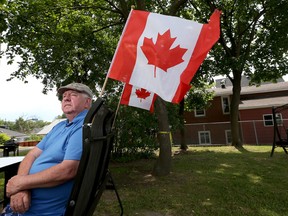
{"x": 160, "y": 55}
{"x": 142, "y": 93}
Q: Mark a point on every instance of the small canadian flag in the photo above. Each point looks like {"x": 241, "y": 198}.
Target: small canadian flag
{"x": 138, "y": 97}
{"x": 162, "y": 53}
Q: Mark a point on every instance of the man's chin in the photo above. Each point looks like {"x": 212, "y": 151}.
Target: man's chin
{"x": 67, "y": 111}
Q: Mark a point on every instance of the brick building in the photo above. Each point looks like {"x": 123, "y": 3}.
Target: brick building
{"x": 212, "y": 125}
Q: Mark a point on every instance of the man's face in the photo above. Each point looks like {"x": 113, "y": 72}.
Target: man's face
{"x": 74, "y": 102}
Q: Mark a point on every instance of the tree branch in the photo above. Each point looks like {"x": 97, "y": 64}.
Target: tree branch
{"x": 197, "y": 11}
{"x": 161, "y": 6}
{"x": 108, "y": 26}
{"x": 176, "y": 5}
{"x": 252, "y": 34}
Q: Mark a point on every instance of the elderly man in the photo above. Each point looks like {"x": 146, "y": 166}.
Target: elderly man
{"x": 45, "y": 176}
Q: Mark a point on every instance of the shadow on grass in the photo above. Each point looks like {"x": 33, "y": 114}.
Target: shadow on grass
{"x": 204, "y": 181}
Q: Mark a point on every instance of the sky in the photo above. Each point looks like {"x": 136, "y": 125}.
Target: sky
{"x": 25, "y": 100}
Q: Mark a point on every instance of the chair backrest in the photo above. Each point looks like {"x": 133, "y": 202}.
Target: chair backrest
{"x": 280, "y": 125}
{"x": 92, "y": 173}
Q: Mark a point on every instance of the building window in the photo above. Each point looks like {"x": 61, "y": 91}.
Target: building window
{"x": 268, "y": 120}
{"x": 228, "y": 136}
{"x": 199, "y": 112}
{"x": 204, "y": 137}
{"x": 225, "y": 105}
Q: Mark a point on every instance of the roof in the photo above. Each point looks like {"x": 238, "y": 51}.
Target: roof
{"x": 244, "y": 81}
{"x": 263, "y": 103}
{"x": 11, "y": 133}
{"x": 272, "y": 87}
{"x": 49, "y": 127}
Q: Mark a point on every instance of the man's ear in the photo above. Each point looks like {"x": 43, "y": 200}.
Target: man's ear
{"x": 88, "y": 103}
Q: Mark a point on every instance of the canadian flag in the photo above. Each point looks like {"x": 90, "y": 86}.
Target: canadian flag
{"x": 138, "y": 97}
{"x": 162, "y": 53}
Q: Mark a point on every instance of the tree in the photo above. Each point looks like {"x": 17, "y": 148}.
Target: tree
{"x": 27, "y": 126}
{"x": 3, "y": 25}
{"x": 64, "y": 41}
{"x": 253, "y": 43}
{"x": 61, "y": 41}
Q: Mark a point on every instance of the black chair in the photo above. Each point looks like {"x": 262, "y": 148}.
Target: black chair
{"x": 93, "y": 175}
{"x": 280, "y": 130}
{"x": 10, "y": 146}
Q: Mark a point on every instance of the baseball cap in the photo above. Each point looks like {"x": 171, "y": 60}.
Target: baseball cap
{"x": 77, "y": 87}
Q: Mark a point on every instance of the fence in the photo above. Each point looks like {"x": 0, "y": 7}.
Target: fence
{"x": 256, "y": 132}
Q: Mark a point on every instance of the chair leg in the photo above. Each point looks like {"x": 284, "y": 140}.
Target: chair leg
{"x": 272, "y": 151}
{"x": 285, "y": 149}
{"x": 116, "y": 192}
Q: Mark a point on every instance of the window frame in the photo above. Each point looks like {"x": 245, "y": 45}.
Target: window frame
{"x": 227, "y": 137}
{"x": 209, "y": 137}
{"x": 199, "y": 115}
{"x": 271, "y": 122}
{"x": 224, "y": 105}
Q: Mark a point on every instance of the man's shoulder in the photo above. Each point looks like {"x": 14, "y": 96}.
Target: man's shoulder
{"x": 80, "y": 117}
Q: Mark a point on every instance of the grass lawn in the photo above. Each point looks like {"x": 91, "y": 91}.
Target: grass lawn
{"x": 204, "y": 181}
{"x": 216, "y": 181}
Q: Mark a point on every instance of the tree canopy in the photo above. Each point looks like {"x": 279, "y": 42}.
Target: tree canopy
{"x": 67, "y": 40}
{"x": 61, "y": 41}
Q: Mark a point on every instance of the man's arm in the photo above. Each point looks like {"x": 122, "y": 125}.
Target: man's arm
{"x": 20, "y": 201}
{"x": 50, "y": 177}
{"x": 27, "y": 162}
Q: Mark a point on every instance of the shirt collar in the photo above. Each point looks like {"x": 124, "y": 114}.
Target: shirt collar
{"x": 77, "y": 118}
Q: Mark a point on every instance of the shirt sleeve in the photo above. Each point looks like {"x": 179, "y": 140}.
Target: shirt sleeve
{"x": 41, "y": 144}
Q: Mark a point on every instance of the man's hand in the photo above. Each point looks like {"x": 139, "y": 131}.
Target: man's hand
{"x": 20, "y": 202}
{"x": 14, "y": 185}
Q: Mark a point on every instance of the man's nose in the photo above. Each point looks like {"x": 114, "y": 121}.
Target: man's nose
{"x": 67, "y": 98}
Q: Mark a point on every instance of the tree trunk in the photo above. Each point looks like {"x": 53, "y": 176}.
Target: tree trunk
{"x": 234, "y": 112}
{"x": 183, "y": 145}
{"x": 164, "y": 161}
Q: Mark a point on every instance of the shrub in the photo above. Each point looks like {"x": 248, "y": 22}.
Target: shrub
{"x": 34, "y": 137}
{"x": 3, "y": 138}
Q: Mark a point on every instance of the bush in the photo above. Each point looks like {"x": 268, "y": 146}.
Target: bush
{"x": 135, "y": 135}
{"x": 3, "y": 138}
{"x": 136, "y": 130}
{"x": 34, "y": 137}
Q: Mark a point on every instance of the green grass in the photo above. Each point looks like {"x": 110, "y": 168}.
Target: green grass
{"x": 216, "y": 181}
{"x": 204, "y": 181}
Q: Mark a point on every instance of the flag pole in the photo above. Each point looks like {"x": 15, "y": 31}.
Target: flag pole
{"x": 117, "y": 110}
{"x": 118, "y": 106}
{"x": 104, "y": 85}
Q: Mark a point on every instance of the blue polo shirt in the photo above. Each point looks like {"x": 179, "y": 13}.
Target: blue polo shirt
{"x": 63, "y": 142}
